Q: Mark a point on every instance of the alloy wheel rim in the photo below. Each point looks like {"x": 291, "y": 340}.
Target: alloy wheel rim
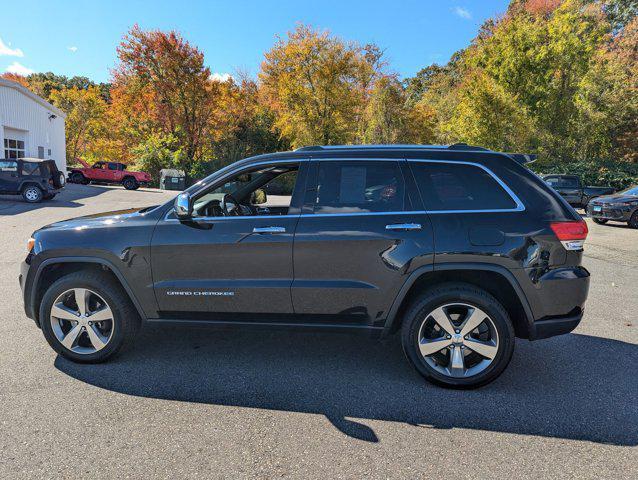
{"x": 458, "y": 340}
{"x": 82, "y": 321}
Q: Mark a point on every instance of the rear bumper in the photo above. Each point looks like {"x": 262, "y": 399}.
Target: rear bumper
{"x": 563, "y": 293}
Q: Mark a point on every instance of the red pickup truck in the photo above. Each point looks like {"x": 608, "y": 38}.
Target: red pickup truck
{"x": 108, "y": 172}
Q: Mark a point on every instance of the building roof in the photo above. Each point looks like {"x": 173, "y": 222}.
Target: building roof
{"x": 25, "y": 91}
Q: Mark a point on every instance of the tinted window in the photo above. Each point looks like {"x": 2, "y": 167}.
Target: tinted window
{"x": 359, "y": 187}
{"x": 569, "y": 182}
{"x": 112, "y": 166}
{"x": 448, "y": 186}
{"x": 552, "y": 181}
{"x": 6, "y": 166}
{"x": 30, "y": 169}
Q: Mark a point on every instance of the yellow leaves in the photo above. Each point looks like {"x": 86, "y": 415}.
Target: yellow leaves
{"x": 317, "y": 85}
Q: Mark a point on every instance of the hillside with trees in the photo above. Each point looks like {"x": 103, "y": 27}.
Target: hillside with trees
{"x": 556, "y": 78}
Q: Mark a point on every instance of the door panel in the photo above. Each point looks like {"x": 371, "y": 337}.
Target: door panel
{"x": 228, "y": 264}
{"x": 351, "y": 263}
{"x": 222, "y": 266}
{"x": 353, "y": 266}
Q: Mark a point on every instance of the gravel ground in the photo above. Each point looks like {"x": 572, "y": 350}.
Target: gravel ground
{"x": 209, "y": 403}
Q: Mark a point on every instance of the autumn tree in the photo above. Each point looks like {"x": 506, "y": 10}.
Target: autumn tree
{"x": 391, "y": 118}
{"x": 244, "y": 125}
{"x": 317, "y": 86}
{"x": 162, "y": 85}
{"x": 14, "y": 77}
{"x": 85, "y": 122}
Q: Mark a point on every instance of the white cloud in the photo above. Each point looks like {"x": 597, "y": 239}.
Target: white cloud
{"x": 220, "y": 77}
{"x": 20, "y": 69}
{"x": 72, "y": 49}
{"x": 11, "y": 52}
{"x": 462, "y": 12}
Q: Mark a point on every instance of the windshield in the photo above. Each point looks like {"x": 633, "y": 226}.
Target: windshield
{"x": 631, "y": 191}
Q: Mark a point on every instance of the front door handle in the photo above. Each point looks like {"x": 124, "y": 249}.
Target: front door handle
{"x": 403, "y": 226}
{"x": 269, "y": 230}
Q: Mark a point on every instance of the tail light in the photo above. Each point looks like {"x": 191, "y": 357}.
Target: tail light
{"x": 571, "y": 234}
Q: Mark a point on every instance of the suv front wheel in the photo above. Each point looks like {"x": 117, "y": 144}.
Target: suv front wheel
{"x": 87, "y": 317}
{"x": 458, "y": 336}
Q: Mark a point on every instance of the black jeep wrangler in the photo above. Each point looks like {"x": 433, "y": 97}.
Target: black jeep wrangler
{"x": 459, "y": 249}
{"x": 33, "y": 178}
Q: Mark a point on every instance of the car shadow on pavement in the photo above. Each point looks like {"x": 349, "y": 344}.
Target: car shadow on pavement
{"x": 68, "y": 198}
{"x": 575, "y": 387}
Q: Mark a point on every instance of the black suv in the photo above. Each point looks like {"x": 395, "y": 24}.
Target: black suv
{"x": 459, "y": 249}
{"x": 33, "y": 178}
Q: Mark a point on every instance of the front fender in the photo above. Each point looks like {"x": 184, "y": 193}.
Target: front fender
{"x": 32, "y": 284}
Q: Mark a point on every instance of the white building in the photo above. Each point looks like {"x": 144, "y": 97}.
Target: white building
{"x": 30, "y": 126}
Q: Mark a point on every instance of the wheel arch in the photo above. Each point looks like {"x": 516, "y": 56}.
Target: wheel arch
{"x": 52, "y": 269}
{"x": 26, "y": 183}
{"x": 494, "y": 279}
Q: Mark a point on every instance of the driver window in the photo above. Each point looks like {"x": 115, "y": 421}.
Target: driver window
{"x": 266, "y": 191}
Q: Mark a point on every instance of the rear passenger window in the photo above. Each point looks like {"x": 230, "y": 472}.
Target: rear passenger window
{"x": 450, "y": 186}
{"x": 359, "y": 187}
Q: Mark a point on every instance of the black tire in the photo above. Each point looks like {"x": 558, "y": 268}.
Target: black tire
{"x": 633, "y": 221}
{"x": 467, "y": 294}
{"x": 32, "y": 194}
{"x": 77, "y": 177}
{"x": 130, "y": 183}
{"x": 599, "y": 221}
{"x": 126, "y": 321}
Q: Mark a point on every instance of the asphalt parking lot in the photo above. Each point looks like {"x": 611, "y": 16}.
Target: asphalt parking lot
{"x": 219, "y": 404}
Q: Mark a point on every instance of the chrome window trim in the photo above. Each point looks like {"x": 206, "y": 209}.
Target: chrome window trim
{"x": 520, "y": 207}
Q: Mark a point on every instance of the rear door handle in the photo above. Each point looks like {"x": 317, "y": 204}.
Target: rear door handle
{"x": 269, "y": 230}
{"x": 403, "y": 226}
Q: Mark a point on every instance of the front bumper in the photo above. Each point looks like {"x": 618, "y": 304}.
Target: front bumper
{"x": 26, "y": 282}
{"x": 550, "y": 327}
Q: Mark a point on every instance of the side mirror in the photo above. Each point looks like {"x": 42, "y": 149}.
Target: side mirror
{"x": 183, "y": 206}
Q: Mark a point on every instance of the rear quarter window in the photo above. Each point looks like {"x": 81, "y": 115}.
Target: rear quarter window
{"x": 457, "y": 186}
{"x": 30, "y": 169}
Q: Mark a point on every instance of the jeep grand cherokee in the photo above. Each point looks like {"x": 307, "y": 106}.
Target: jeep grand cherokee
{"x": 459, "y": 249}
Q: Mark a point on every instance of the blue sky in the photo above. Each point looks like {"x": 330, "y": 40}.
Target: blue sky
{"x": 79, "y": 38}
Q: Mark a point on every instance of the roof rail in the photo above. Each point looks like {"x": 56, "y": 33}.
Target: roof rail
{"x": 465, "y": 146}
{"x": 456, "y": 146}
{"x": 523, "y": 158}
{"x": 309, "y": 148}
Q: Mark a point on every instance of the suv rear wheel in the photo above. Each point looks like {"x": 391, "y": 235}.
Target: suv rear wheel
{"x": 457, "y": 335}
{"x": 32, "y": 194}
{"x": 130, "y": 183}
{"x": 87, "y": 317}
{"x": 633, "y": 221}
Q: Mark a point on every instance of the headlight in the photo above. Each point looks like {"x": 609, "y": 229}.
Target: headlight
{"x": 30, "y": 244}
